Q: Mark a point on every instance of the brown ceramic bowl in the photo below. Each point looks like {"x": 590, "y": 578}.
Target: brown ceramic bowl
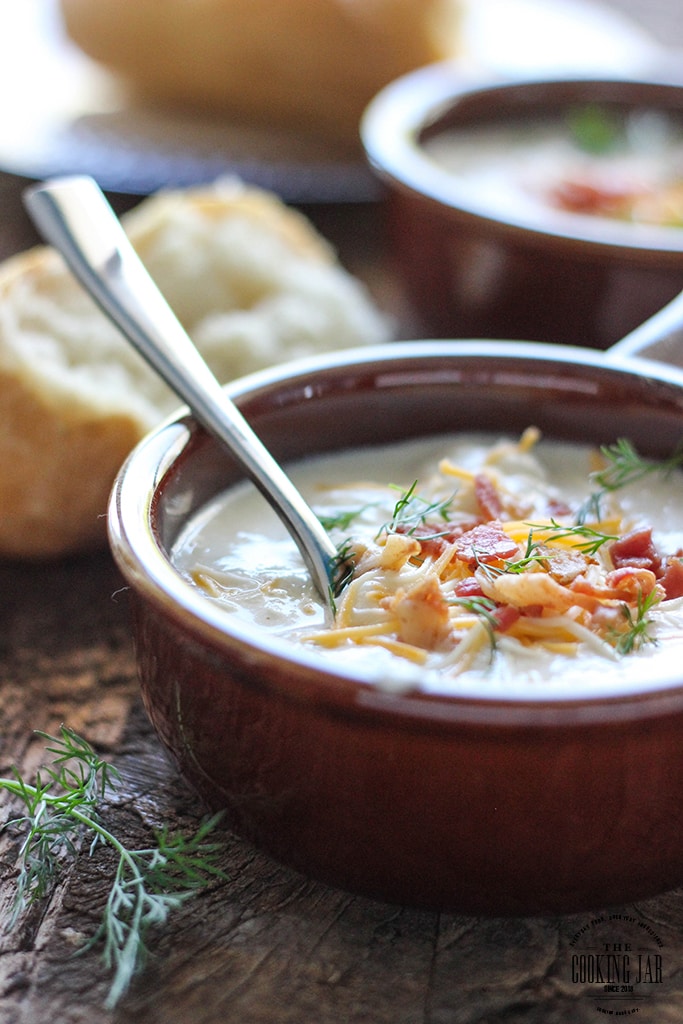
{"x": 467, "y": 804}
{"x": 472, "y": 271}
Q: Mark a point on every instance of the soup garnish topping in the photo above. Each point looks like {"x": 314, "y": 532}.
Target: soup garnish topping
{"x": 484, "y": 557}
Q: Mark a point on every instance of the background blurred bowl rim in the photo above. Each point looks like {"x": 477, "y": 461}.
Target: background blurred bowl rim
{"x": 394, "y": 120}
{"x": 150, "y": 573}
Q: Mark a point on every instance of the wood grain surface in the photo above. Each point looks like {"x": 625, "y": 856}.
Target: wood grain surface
{"x": 265, "y": 946}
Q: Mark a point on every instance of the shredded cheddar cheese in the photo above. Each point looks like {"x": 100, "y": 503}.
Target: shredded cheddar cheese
{"x": 457, "y": 578}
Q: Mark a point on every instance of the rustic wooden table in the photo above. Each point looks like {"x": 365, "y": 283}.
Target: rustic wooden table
{"x": 266, "y": 945}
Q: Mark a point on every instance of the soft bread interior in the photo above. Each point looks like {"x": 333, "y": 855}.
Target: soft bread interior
{"x": 251, "y": 280}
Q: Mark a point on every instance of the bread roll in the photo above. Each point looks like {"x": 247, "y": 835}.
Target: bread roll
{"x": 250, "y": 279}
{"x": 306, "y": 63}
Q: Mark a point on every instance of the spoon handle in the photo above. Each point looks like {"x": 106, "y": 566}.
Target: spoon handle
{"x": 660, "y": 337}
{"x": 75, "y": 217}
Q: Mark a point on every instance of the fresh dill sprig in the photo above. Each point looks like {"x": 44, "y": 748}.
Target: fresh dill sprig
{"x": 532, "y": 553}
{"x": 344, "y": 518}
{"x": 584, "y": 538}
{"x": 484, "y": 608}
{"x": 412, "y": 511}
{"x": 342, "y": 568}
{"x": 624, "y": 466}
{"x": 60, "y": 809}
{"x": 638, "y": 625}
{"x": 588, "y": 542}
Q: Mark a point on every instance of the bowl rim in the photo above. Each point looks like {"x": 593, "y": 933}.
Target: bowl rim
{"x": 149, "y": 572}
{"x": 396, "y": 118}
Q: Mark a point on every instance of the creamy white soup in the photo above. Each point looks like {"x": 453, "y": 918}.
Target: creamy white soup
{"x": 497, "y": 566}
{"x": 594, "y": 163}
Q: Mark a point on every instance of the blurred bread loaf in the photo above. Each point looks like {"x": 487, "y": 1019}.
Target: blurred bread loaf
{"x": 307, "y": 63}
{"x": 250, "y": 279}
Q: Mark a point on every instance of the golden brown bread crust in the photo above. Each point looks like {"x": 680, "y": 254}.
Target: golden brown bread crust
{"x": 57, "y": 458}
{"x": 61, "y": 475}
{"x": 75, "y": 398}
{"x": 314, "y": 63}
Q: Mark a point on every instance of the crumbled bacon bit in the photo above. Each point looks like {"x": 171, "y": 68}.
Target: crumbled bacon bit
{"x": 577, "y": 196}
{"x": 435, "y": 539}
{"x": 469, "y": 587}
{"x": 636, "y": 549}
{"x": 485, "y": 544}
{"x": 672, "y": 578}
{"x": 505, "y": 617}
{"x": 487, "y": 496}
{"x": 558, "y": 508}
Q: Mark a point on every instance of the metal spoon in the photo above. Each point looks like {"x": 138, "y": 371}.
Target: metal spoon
{"x": 73, "y": 215}
{"x": 659, "y": 337}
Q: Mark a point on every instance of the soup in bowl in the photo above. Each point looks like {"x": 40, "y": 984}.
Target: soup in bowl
{"x": 493, "y": 722}
{"x": 476, "y": 565}
{"x": 507, "y": 200}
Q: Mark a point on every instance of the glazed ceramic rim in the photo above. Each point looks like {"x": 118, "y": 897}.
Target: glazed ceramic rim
{"x": 396, "y": 119}
{"x": 149, "y": 571}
